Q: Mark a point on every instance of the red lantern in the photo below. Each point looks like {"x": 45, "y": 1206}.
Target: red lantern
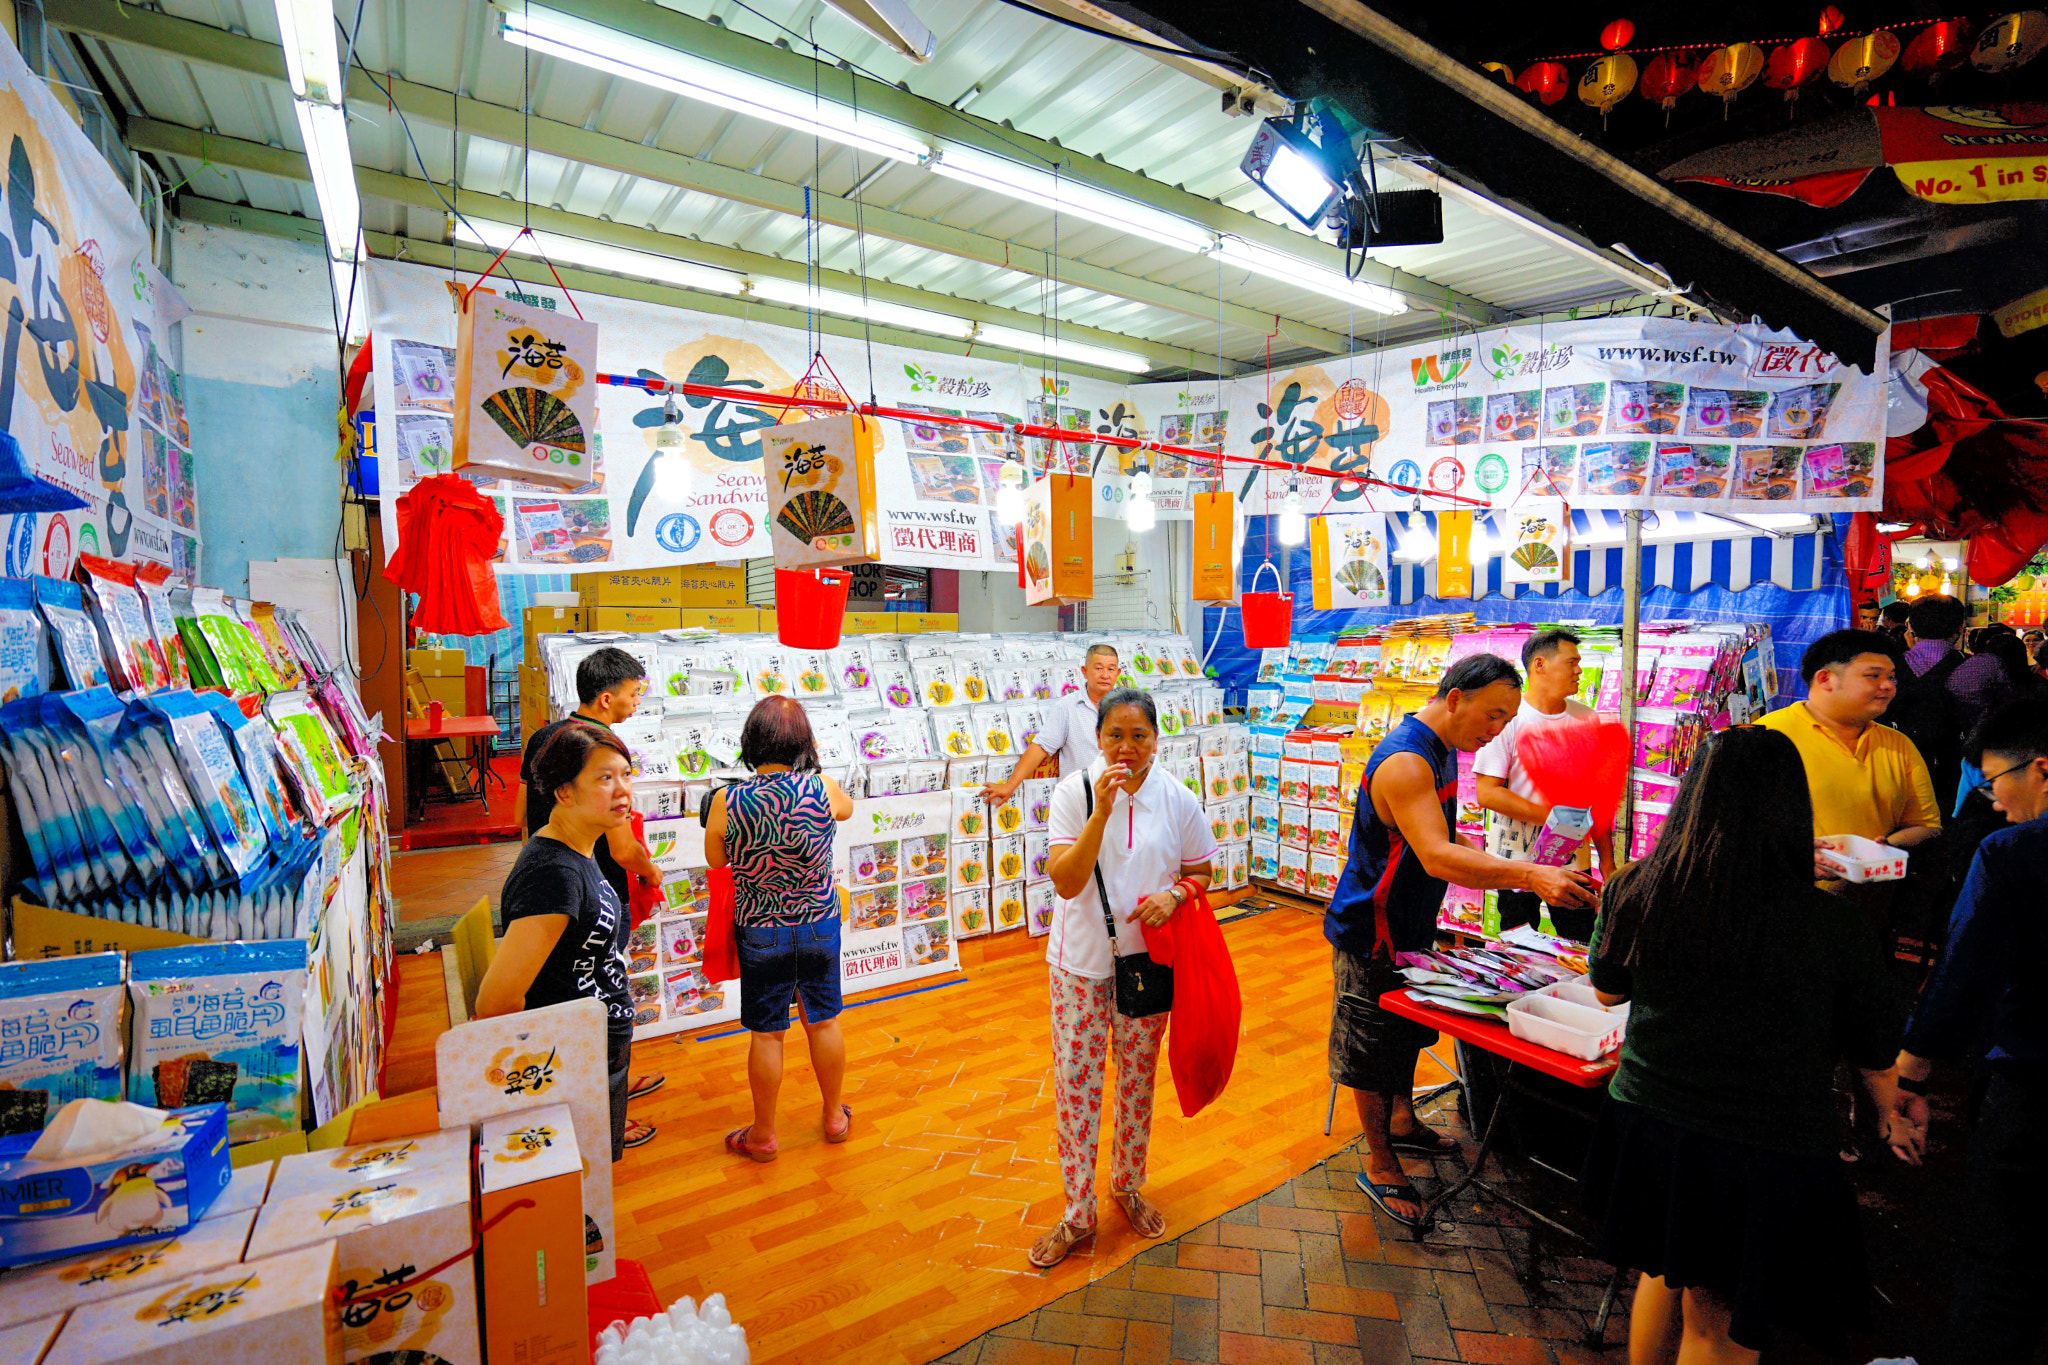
{"x": 1795, "y": 63}
{"x": 1830, "y": 20}
{"x": 1616, "y": 35}
{"x": 1938, "y": 47}
{"x": 1546, "y": 80}
{"x": 1666, "y": 78}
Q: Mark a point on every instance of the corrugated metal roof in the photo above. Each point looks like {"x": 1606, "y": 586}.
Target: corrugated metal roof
{"x": 1092, "y": 95}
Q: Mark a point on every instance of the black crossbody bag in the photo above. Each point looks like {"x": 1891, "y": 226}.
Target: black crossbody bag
{"x": 1143, "y": 987}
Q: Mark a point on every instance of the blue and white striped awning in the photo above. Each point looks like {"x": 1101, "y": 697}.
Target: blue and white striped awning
{"x": 1684, "y": 551}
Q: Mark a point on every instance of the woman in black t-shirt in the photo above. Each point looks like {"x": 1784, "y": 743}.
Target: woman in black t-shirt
{"x": 565, "y": 931}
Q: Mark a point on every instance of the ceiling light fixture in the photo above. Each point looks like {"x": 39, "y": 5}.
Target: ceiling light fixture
{"x": 1140, "y": 515}
{"x": 1080, "y": 352}
{"x": 633, "y": 58}
{"x": 1063, "y": 194}
{"x": 619, "y": 260}
{"x": 1010, "y": 492}
{"x": 1288, "y": 164}
{"x": 671, "y": 455}
{"x": 324, "y": 127}
{"x": 798, "y": 294}
{"x": 1278, "y": 265}
{"x": 312, "y": 62}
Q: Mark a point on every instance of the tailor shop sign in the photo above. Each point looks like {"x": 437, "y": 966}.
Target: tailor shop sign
{"x": 1608, "y": 412}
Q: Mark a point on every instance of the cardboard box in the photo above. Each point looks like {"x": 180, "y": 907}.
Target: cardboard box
{"x": 919, "y": 622}
{"x": 731, "y": 620}
{"x": 382, "y": 1229}
{"x": 40, "y": 932}
{"x": 57, "y": 1208}
{"x": 59, "y": 1286}
{"x": 437, "y": 663}
{"x": 277, "y": 1309}
{"x": 635, "y": 619}
{"x": 551, "y": 621}
{"x": 535, "y": 1303}
{"x": 533, "y": 683}
{"x": 688, "y": 585}
{"x": 869, "y": 623}
{"x": 407, "y": 1159}
{"x": 25, "y": 1344}
{"x": 452, "y": 693}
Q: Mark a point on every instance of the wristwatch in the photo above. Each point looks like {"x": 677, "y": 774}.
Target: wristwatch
{"x": 1180, "y": 894}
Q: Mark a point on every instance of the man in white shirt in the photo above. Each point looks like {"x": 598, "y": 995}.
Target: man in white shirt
{"x": 1551, "y": 660}
{"x": 1069, "y": 729}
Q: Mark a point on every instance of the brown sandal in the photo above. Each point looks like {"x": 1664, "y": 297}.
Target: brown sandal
{"x": 1134, "y": 1206}
{"x": 736, "y": 1143}
{"x": 844, "y": 1133}
{"x": 1049, "y": 1250}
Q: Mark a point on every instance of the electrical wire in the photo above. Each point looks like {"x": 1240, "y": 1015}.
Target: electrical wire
{"x": 1237, "y": 66}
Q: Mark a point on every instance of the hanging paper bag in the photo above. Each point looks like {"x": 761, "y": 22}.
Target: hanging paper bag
{"x": 525, "y": 393}
{"x": 1215, "y": 540}
{"x": 721, "y": 943}
{"x": 1538, "y": 536}
{"x": 1059, "y": 540}
{"x": 1454, "y": 554}
{"x": 821, "y": 491}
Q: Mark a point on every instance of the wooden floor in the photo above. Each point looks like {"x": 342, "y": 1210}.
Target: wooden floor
{"x": 909, "y": 1240}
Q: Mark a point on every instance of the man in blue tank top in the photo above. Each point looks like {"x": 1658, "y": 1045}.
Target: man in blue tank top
{"x": 1404, "y": 851}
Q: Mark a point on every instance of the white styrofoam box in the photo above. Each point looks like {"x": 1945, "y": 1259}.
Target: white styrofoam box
{"x": 1562, "y": 1026}
{"x": 1854, "y": 858}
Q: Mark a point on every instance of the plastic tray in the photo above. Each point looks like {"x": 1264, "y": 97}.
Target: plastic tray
{"x": 1854, "y": 858}
{"x": 1580, "y": 992}
{"x": 1561, "y": 1026}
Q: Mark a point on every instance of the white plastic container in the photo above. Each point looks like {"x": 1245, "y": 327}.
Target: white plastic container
{"x": 1562, "y": 1026}
{"x": 1854, "y": 858}
{"x": 1579, "y": 991}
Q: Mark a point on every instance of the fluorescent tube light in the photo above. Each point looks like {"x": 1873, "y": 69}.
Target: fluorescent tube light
{"x": 1039, "y": 186}
{"x": 1277, "y": 265}
{"x": 312, "y": 62}
{"x": 637, "y": 59}
{"x": 325, "y": 130}
{"x": 350, "y": 306}
{"x": 1080, "y": 352}
{"x": 599, "y": 256}
{"x": 798, "y": 294}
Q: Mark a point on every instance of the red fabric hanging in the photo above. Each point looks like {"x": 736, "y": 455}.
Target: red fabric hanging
{"x": 447, "y": 533}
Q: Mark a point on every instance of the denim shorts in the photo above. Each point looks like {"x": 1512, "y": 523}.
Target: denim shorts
{"x": 778, "y": 962}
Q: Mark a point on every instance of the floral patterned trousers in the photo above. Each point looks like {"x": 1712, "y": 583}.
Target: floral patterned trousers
{"x": 1084, "y": 1020}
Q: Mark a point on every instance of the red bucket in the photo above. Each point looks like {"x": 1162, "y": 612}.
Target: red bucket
{"x": 1268, "y": 617}
{"x": 810, "y": 606}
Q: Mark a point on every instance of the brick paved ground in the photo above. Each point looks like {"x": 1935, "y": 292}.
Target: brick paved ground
{"x": 1313, "y": 1274}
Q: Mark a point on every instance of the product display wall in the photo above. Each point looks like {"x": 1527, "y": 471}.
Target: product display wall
{"x": 913, "y": 728}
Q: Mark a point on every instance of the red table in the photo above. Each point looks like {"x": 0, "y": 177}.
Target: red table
{"x": 420, "y": 731}
{"x": 1492, "y": 1036}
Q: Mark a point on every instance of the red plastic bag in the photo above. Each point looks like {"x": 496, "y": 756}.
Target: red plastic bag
{"x": 721, "y": 946}
{"x": 646, "y": 897}
{"x": 1581, "y": 761}
{"x": 1201, "y": 1045}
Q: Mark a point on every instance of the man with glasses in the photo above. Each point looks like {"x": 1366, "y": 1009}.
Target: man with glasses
{"x": 1988, "y": 984}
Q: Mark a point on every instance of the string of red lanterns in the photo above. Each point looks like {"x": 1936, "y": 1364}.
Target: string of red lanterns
{"x": 2006, "y": 43}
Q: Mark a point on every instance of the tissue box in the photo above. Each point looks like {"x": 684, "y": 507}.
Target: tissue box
{"x": 272, "y": 1310}
{"x": 405, "y": 1159}
{"x": 158, "y": 1187}
{"x": 384, "y": 1231}
{"x": 75, "y": 1281}
{"x": 533, "y": 1259}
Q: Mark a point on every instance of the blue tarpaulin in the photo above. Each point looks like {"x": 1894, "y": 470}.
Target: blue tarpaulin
{"x": 1796, "y": 618}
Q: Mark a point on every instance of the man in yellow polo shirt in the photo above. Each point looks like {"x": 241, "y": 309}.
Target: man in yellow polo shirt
{"x": 1866, "y": 778}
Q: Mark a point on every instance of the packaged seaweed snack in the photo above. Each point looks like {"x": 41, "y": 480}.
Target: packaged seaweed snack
{"x": 123, "y": 622}
{"x": 75, "y": 767}
{"x": 146, "y": 739}
{"x": 63, "y": 1037}
{"x": 74, "y": 641}
{"x": 219, "y": 1023}
{"x": 199, "y": 661}
{"x": 263, "y": 769}
{"x": 235, "y": 650}
{"x": 96, "y": 716}
{"x": 277, "y": 651}
{"x": 47, "y": 812}
{"x": 24, "y": 659}
{"x": 215, "y": 780}
{"x": 152, "y": 582}
{"x": 312, "y": 754}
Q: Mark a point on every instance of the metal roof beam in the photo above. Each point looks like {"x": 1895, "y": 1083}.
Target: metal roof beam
{"x": 226, "y": 153}
{"x": 205, "y": 45}
{"x": 443, "y": 255}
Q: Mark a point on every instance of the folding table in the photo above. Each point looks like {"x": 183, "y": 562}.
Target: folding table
{"x": 1492, "y": 1036}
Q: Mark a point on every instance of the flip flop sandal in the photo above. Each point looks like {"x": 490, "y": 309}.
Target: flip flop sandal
{"x": 846, "y": 1132}
{"x": 647, "y": 1086}
{"x": 1380, "y": 1194}
{"x": 1427, "y": 1142}
{"x": 645, "y": 1136}
{"x": 1063, "y": 1239}
{"x": 736, "y": 1143}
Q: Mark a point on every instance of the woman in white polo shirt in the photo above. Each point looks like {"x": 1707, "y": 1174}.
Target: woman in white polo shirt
{"x": 1123, "y": 829}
